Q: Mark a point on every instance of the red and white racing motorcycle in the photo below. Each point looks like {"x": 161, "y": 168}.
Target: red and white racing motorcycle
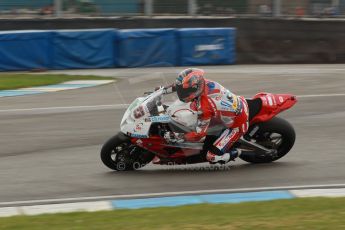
{"x": 148, "y": 119}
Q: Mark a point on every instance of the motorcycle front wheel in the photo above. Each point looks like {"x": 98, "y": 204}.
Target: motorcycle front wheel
{"x": 119, "y": 154}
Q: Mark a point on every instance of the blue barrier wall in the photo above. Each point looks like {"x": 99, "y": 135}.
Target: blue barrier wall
{"x": 147, "y": 47}
{"x": 205, "y": 46}
{"x": 80, "y": 49}
{"x": 23, "y": 50}
{"x": 106, "y": 48}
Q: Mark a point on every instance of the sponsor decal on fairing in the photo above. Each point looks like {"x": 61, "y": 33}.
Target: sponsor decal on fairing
{"x": 136, "y": 135}
{"x": 158, "y": 119}
{"x": 281, "y": 100}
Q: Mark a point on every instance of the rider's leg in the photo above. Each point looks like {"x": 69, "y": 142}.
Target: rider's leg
{"x": 219, "y": 152}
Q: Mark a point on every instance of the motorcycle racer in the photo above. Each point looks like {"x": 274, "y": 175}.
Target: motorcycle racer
{"x": 213, "y": 102}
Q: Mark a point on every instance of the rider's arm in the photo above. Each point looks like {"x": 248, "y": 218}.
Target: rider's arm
{"x": 167, "y": 89}
{"x": 170, "y": 89}
{"x": 204, "y": 119}
{"x": 201, "y": 131}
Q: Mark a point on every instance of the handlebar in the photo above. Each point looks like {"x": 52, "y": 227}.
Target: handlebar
{"x": 147, "y": 93}
{"x": 165, "y": 89}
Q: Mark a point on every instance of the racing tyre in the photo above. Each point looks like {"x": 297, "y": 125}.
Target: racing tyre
{"x": 119, "y": 154}
{"x": 277, "y": 134}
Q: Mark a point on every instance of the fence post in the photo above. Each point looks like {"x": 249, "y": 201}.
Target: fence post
{"x": 192, "y": 7}
{"x": 335, "y": 3}
{"x": 148, "y": 7}
{"x": 276, "y": 8}
{"x": 58, "y": 8}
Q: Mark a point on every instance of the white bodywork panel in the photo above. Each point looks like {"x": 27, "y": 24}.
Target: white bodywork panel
{"x": 181, "y": 113}
{"x": 136, "y": 121}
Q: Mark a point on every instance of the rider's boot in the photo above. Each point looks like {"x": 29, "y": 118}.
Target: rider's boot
{"x": 234, "y": 153}
{"x": 224, "y": 158}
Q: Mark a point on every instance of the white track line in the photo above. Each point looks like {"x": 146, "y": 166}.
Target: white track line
{"x": 145, "y": 195}
{"x": 123, "y": 106}
{"x": 338, "y": 192}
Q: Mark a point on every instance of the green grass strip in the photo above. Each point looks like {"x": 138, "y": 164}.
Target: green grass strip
{"x": 306, "y": 213}
{"x": 15, "y": 81}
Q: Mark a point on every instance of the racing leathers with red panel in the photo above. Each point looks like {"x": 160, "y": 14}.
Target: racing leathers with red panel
{"x": 225, "y": 109}
{"x": 215, "y": 104}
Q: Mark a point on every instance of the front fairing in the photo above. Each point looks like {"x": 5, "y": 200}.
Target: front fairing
{"x": 139, "y": 116}
{"x": 129, "y": 125}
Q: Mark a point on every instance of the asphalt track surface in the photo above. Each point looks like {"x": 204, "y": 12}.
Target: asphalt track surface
{"x": 50, "y": 143}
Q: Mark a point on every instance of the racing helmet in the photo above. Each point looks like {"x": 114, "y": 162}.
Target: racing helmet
{"x": 190, "y": 83}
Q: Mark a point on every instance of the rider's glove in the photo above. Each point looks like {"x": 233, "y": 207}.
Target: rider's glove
{"x": 172, "y": 137}
{"x": 158, "y": 87}
{"x": 167, "y": 89}
{"x": 179, "y": 137}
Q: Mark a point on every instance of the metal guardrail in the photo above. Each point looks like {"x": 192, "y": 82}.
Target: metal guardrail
{"x": 233, "y": 8}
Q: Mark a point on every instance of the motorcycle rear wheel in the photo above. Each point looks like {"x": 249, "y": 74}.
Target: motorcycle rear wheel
{"x": 277, "y": 134}
{"x": 119, "y": 154}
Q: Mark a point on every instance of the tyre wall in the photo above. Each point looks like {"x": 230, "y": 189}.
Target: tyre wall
{"x": 258, "y": 40}
{"x": 109, "y": 48}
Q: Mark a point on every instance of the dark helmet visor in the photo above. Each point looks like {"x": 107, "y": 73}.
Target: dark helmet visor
{"x": 183, "y": 93}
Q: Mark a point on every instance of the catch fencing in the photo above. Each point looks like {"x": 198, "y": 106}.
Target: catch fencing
{"x": 109, "y": 48}
{"x": 233, "y": 8}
